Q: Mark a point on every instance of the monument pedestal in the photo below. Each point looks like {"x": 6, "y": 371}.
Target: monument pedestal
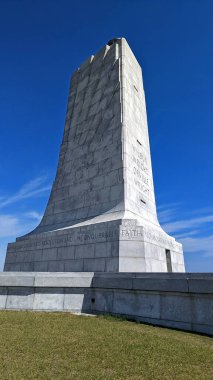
{"x": 113, "y": 246}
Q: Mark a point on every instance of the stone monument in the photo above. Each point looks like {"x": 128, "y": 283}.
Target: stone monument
{"x": 101, "y": 214}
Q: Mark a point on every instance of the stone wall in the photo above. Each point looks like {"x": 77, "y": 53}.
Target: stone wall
{"x": 182, "y": 301}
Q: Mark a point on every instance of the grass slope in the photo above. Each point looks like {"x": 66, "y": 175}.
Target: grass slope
{"x": 64, "y": 346}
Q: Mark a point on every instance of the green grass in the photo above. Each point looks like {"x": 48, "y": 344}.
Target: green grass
{"x": 64, "y": 346}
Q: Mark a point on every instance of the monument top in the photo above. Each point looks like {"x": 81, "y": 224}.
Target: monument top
{"x": 113, "y": 41}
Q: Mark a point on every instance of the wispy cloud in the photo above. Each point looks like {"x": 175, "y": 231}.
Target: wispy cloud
{"x": 34, "y": 188}
{"x": 34, "y": 215}
{"x": 198, "y": 244}
{"x": 188, "y": 233}
{"x": 9, "y": 225}
{"x": 191, "y": 230}
{"x": 187, "y": 223}
{"x": 12, "y": 226}
{"x": 166, "y": 214}
{"x": 16, "y": 223}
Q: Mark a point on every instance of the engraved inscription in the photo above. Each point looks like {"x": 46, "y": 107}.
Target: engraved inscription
{"x": 79, "y": 238}
{"x": 140, "y": 159}
{"x": 159, "y": 238}
{"x": 140, "y": 170}
{"x": 131, "y": 234}
{"x": 73, "y": 238}
{"x": 140, "y": 175}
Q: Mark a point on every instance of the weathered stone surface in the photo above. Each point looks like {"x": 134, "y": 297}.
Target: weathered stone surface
{"x": 3, "y": 297}
{"x": 101, "y": 214}
{"x": 163, "y": 299}
{"x": 49, "y": 299}
{"x": 20, "y": 298}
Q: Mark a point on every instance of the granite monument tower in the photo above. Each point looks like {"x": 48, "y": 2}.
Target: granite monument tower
{"x": 101, "y": 214}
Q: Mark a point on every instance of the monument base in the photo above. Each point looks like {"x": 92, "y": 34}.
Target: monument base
{"x": 181, "y": 301}
{"x": 113, "y": 246}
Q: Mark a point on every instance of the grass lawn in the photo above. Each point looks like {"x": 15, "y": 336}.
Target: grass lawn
{"x": 64, "y": 346}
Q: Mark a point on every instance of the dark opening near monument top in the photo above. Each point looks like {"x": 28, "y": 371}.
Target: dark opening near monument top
{"x": 101, "y": 214}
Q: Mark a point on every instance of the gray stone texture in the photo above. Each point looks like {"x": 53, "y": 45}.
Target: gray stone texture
{"x": 101, "y": 214}
{"x": 176, "y": 300}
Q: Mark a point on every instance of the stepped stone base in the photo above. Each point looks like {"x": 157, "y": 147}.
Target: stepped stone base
{"x": 113, "y": 246}
{"x": 181, "y": 301}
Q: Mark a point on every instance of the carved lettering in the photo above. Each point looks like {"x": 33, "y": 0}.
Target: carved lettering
{"x": 73, "y": 238}
{"x": 140, "y": 159}
{"x": 158, "y": 238}
{"x": 140, "y": 171}
{"x": 141, "y": 164}
{"x": 140, "y": 175}
{"x": 142, "y": 187}
{"x": 130, "y": 234}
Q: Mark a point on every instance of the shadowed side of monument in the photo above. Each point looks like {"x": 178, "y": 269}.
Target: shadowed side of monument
{"x": 89, "y": 180}
{"x": 101, "y": 214}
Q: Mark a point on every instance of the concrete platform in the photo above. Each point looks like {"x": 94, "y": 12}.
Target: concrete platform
{"x": 177, "y": 300}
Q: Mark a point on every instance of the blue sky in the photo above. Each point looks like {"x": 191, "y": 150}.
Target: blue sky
{"x": 43, "y": 42}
